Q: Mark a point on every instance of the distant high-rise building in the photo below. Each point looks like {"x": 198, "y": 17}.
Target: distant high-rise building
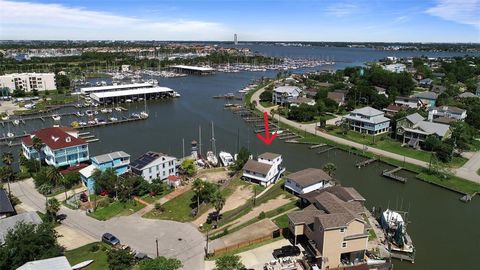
{"x": 235, "y": 39}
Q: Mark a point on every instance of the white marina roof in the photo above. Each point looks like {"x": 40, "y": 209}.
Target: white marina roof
{"x": 196, "y": 68}
{"x": 115, "y": 87}
{"x": 132, "y": 92}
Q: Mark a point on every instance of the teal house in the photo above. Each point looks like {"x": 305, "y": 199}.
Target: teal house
{"x": 119, "y": 161}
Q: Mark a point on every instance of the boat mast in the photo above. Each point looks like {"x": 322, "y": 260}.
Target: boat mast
{"x": 183, "y": 148}
{"x": 214, "y": 149}
{"x": 200, "y": 140}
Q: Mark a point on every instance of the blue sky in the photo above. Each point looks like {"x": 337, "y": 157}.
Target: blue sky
{"x": 269, "y": 20}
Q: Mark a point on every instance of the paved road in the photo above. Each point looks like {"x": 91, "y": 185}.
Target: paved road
{"x": 180, "y": 240}
{"x": 464, "y": 172}
{"x": 470, "y": 168}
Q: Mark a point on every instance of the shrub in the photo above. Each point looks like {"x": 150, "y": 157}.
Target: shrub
{"x": 261, "y": 215}
{"x": 94, "y": 248}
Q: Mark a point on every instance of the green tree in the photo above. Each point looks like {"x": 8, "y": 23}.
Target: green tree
{"x": 188, "y": 167}
{"x": 52, "y": 207}
{"x": 120, "y": 259}
{"x": 105, "y": 181}
{"x": 218, "y": 201}
{"x": 198, "y": 188}
{"x": 7, "y": 159}
{"x": 242, "y": 158}
{"x": 69, "y": 180}
{"x": 28, "y": 242}
{"x": 432, "y": 143}
{"x": 54, "y": 176}
{"x": 62, "y": 81}
{"x": 266, "y": 96}
{"x": 160, "y": 263}
{"x": 330, "y": 169}
{"x": 228, "y": 262}
{"x": 45, "y": 189}
{"x": 6, "y": 174}
{"x": 38, "y": 145}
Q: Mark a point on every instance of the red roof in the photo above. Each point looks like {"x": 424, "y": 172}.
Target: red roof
{"x": 173, "y": 178}
{"x": 54, "y": 137}
{"x": 74, "y": 168}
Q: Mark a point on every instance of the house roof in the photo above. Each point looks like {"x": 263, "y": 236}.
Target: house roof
{"x": 5, "y": 204}
{"x": 368, "y": 111}
{"x": 287, "y": 89}
{"x": 443, "y": 120}
{"x": 173, "y": 178}
{"x": 415, "y": 118}
{"x": 87, "y": 172}
{"x": 57, "y": 263}
{"x": 303, "y": 100}
{"x": 54, "y": 137}
{"x": 258, "y": 167}
{"x": 406, "y": 99}
{"x": 379, "y": 89}
{"x": 269, "y": 155}
{"x": 110, "y": 157}
{"x": 308, "y": 177}
{"x": 427, "y": 95}
{"x": 146, "y": 159}
{"x": 9, "y": 223}
{"x": 430, "y": 128}
{"x": 467, "y": 95}
{"x": 336, "y": 96}
{"x": 393, "y": 108}
{"x": 450, "y": 109}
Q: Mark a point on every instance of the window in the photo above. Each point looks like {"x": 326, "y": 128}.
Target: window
{"x": 344, "y": 244}
{"x": 150, "y": 170}
{"x": 342, "y": 230}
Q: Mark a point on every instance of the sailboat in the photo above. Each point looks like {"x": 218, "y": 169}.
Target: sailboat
{"x": 144, "y": 114}
{"x": 212, "y": 155}
{"x": 9, "y": 133}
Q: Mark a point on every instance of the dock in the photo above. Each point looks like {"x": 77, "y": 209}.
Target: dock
{"x": 467, "y": 197}
{"x": 391, "y": 174}
{"x": 317, "y": 146}
{"x": 120, "y": 121}
{"x": 326, "y": 150}
{"x": 365, "y": 162}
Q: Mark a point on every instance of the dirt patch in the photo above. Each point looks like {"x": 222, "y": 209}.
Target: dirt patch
{"x": 214, "y": 176}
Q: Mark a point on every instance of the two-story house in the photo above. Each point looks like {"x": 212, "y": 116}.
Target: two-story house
{"x": 368, "y": 120}
{"x": 428, "y": 98}
{"x": 285, "y": 94}
{"x": 118, "y": 161}
{"x": 448, "y": 112}
{"x": 414, "y": 130}
{"x": 410, "y": 102}
{"x": 60, "y": 147}
{"x": 265, "y": 170}
{"x": 153, "y": 165}
{"x": 332, "y": 227}
{"x": 307, "y": 180}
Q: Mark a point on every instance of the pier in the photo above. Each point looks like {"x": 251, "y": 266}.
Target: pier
{"x": 391, "y": 174}
{"x": 365, "y": 162}
{"x": 317, "y": 146}
{"x": 110, "y": 123}
{"x": 467, "y": 197}
{"x": 326, "y": 150}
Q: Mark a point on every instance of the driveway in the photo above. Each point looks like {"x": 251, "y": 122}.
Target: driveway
{"x": 180, "y": 240}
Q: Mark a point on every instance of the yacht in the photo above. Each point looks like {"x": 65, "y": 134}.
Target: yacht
{"x": 89, "y": 113}
{"x": 80, "y": 114}
{"x": 143, "y": 115}
{"x": 212, "y": 159}
{"x": 10, "y": 135}
{"x": 226, "y": 158}
{"x": 56, "y": 117}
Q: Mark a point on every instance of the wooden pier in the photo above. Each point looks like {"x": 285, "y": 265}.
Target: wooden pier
{"x": 110, "y": 123}
{"x": 326, "y": 150}
{"x": 365, "y": 162}
{"x": 467, "y": 197}
{"x": 317, "y": 146}
{"x": 391, "y": 174}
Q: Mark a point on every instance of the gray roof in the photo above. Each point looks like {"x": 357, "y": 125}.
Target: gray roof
{"x": 258, "y": 167}
{"x": 427, "y": 95}
{"x": 9, "y": 223}
{"x": 5, "y": 204}
{"x": 467, "y": 95}
{"x": 415, "y": 118}
{"x": 110, "y": 156}
{"x": 309, "y": 176}
{"x": 269, "y": 155}
{"x": 432, "y": 128}
{"x": 287, "y": 89}
{"x": 57, "y": 263}
{"x": 368, "y": 111}
{"x": 451, "y": 109}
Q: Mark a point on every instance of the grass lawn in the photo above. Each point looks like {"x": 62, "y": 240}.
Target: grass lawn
{"x": 116, "y": 208}
{"x": 177, "y": 209}
{"x": 86, "y": 252}
{"x": 451, "y": 182}
{"x": 282, "y": 221}
{"x": 152, "y": 199}
{"x": 267, "y": 104}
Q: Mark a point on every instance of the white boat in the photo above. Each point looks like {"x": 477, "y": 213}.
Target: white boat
{"x": 5, "y": 118}
{"x": 128, "y": 100}
{"x": 277, "y": 131}
{"x": 82, "y": 265}
{"x": 118, "y": 109}
{"x": 80, "y": 114}
{"x": 396, "y": 231}
{"x": 113, "y": 119}
{"x": 89, "y": 113}
{"x": 176, "y": 94}
{"x": 135, "y": 115}
{"x": 105, "y": 110}
{"x": 226, "y": 158}
{"x": 212, "y": 159}
{"x": 200, "y": 163}
{"x": 82, "y": 124}
{"x": 143, "y": 115}
{"x": 56, "y": 117}
{"x": 16, "y": 122}
{"x": 10, "y": 135}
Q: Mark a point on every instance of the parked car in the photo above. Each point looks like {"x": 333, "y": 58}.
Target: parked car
{"x": 110, "y": 239}
{"x": 83, "y": 197}
{"x": 286, "y": 251}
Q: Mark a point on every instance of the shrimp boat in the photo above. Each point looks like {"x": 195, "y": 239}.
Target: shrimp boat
{"x": 400, "y": 243}
{"x": 226, "y": 158}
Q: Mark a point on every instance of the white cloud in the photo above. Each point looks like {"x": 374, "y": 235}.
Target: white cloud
{"x": 460, "y": 11}
{"x": 341, "y": 9}
{"x": 27, "y": 20}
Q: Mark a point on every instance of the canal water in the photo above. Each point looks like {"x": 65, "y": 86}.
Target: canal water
{"x": 445, "y": 231}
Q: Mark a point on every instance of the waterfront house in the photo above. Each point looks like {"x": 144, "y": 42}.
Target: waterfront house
{"x": 310, "y": 93}
{"x": 303, "y": 100}
{"x": 153, "y": 165}
{"x": 337, "y": 96}
{"x": 61, "y": 147}
{"x": 392, "y": 109}
{"x": 307, "y": 180}
{"x": 410, "y": 102}
{"x": 8, "y": 223}
{"x": 414, "y": 130}
{"x": 397, "y": 68}
{"x": 332, "y": 228}
{"x": 368, "y": 120}
{"x": 285, "y": 94}
{"x": 6, "y": 207}
{"x": 118, "y": 161}
{"x": 429, "y": 99}
{"x": 265, "y": 170}
{"x": 448, "y": 112}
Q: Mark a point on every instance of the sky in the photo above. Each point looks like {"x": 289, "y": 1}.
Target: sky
{"x": 252, "y": 20}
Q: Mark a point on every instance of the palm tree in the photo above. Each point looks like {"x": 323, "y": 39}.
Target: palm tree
{"x": 52, "y": 207}
{"x": 45, "y": 189}
{"x": 330, "y": 169}
{"x": 198, "y": 188}
{"x": 37, "y": 145}
{"x": 7, "y": 159}
{"x": 55, "y": 177}
{"x": 218, "y": 201}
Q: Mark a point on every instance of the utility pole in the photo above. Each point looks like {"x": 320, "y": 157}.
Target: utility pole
{"x": 156, "y": 242}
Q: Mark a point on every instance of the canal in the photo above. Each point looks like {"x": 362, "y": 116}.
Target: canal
{"x": 445, "y": 231}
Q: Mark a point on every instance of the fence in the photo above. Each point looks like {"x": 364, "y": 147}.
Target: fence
{"x": 221, "y": 251}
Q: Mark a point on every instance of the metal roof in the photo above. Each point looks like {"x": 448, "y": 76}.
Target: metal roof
{"x": 113, "y": 87}
{"x": 8, "y": 223}
{"x": 196, "y": 68}
{"x": 5, "y": 204}
{"x": 122, "y": 93}
{"x": 57, "y": 263}
{"x": 415, "y": 118}
{"x": 110, "y": 157}
{"x": 368, "y": 111}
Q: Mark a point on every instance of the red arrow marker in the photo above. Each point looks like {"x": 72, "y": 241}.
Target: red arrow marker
{"x": 267, "y": 139}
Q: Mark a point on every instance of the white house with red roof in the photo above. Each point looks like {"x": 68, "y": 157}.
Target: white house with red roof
{"x": 60, "y": 147}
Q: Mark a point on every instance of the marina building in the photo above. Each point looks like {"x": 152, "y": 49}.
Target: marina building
{"x": 60, "y": 147}
{"x": 28, "y": 81}
{"x": 119, "y": 161}
{"x": 110, "y": 88}
{"x": 265, "y": 170}
{"x": 285, "y": 94}
{"x": 153, "y": 165}
{"x": 132, "y": 94}
{"x": 194, "y": 70}
{"x": 331, "y": 227}
{"x": 307, "y": 180}
{"x": 368, "y": 120}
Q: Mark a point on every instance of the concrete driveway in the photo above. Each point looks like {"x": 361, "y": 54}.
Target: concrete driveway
{"x": 180, "y": 240}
